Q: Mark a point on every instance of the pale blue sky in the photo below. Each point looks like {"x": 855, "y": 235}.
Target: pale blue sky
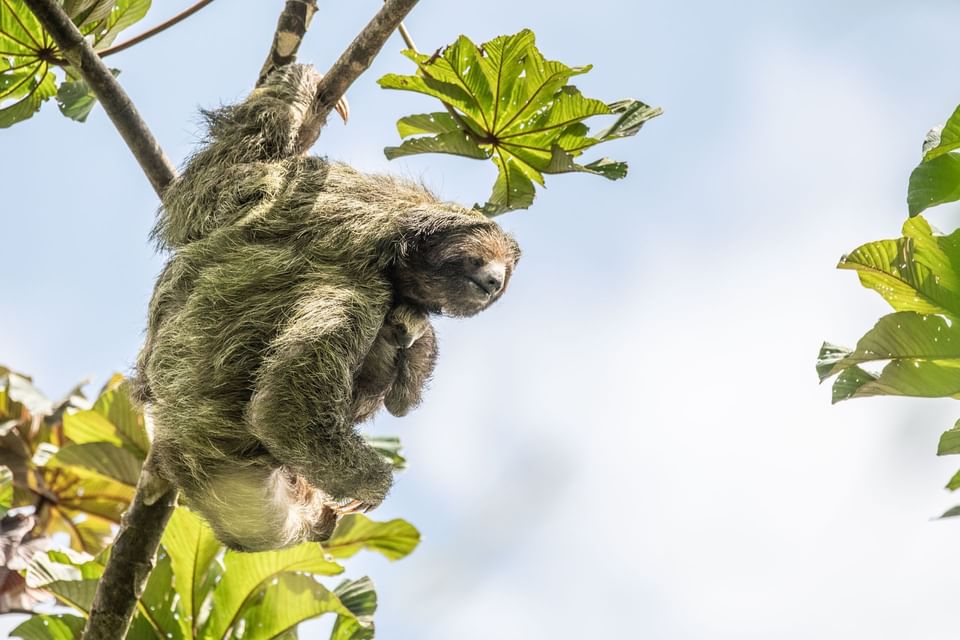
{"x": 632, "y": 442}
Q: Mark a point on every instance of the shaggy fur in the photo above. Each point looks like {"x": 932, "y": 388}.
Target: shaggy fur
{"x": 293, "y": 305}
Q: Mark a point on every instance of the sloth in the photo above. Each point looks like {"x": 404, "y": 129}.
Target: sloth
{"x": 397, "y": 366}
{"x": 294, "y": 304}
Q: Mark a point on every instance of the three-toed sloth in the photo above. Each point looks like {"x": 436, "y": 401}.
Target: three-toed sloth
{"x": 294, "y": 305}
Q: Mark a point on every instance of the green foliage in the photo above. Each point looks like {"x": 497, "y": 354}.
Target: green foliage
{"x": 914, "y": 351}
{"x": 200, "y": 590}
{"x": 6, "y": 490}
{"x": 28, "y": 55}
{"x": 84, "y": 460}
{"x": 505, "y": 102}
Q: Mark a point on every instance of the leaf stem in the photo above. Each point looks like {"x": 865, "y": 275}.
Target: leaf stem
{"x": 149, "y": 33}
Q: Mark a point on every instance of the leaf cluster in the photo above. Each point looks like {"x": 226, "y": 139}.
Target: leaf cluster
{"x": 28, "y": 55}
{"x": 71, "y": 467}
{"x": 506, "y": 103}
{"x": 914, "y": 351}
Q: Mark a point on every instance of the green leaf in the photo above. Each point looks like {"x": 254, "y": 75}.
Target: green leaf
{"x": 158, "y": 608}
{"x": 934, "y": 182}
{"x": 943, "y": 139}
{"x": 103, "y": 458}
{"x": 76, "y": 100}
{"x": 68, "y": 575}
{"x": 49, "y": 627}
{"x": 923, "y": 353}
{"x": 918, "y": 272}
{"x": 27, "y": 52}
{"x": 394, "y": 538}
{"x": 389, "y": 447}
{"x": 360, "y": 597}
{"x": 951, "y": 513}
{"x": 115, "y": 404}
{"x": 513, "y": 188}
{"x": 830, "y": 355}
{"x": 246, "y": 574}
{"x": 954, "y": 482}
{"x": 124, "y": 14}
{"x": 20, "y": 389}
{"x": 509, "y": 104}
{"x": 455, "y": 142}
{"x": 286, "y": 602}
{"x": 192, "y": 548}
{"x": 950, "y": 441}
{"x": 6, "y": 490}
{"x": 441, "y": 122}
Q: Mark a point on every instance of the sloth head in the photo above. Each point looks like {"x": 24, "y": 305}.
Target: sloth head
{"x": 457, "y": 271}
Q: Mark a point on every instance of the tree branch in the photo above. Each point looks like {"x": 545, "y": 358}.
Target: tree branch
{"x": 291, "y": 26}
{"x": 360, "y": 54}
{"x": 131, "y": 557}
{"x": 111, "y": 95}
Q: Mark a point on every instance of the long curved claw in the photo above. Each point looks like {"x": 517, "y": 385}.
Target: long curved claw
{"x": 343, "y": 108}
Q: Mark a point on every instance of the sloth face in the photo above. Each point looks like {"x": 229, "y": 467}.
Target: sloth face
{"x": 459, "y": 273}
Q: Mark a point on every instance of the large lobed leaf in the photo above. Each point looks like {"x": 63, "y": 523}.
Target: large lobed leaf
{"x": 28, "y": 55}
{"x": 507, "y": 103}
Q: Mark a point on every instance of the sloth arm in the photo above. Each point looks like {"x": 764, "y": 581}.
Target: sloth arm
{"x": 414, "y": 367}
{"x": 301, "y": 409}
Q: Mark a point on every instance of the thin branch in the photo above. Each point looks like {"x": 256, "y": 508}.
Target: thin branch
{"x": 291, "y": 27}
{"x": 131, "y": 558}
{"x": 149, "y": 33}
{"x": 360, "y": 54}
{"x": 114, "y": 99}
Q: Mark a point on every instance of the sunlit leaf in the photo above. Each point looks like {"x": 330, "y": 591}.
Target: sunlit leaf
{"x": 933, "y": 182}
{"x": 49, "y": 627}
{"x": 27, "y": 54}
{"x": 101, "y": 457}
{"x": 507, "y": 103}
{"x": 360, "y": 597}
{"x": 6, "y": 490}
{"x": 922, "y": 354}
{"x": 157, "y": 608}
{"x": 918, "y": 272}
{"x": 286, "y": 602}
{"x": 246, "y": 574}
{"x": 394, "y": 538}
{"x": 192, "y": 548}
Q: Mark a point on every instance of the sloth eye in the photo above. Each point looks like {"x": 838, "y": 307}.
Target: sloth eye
{"x": 476, "y": 262}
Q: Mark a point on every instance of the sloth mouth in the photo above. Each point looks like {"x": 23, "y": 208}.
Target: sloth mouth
{"x": 478, "y": 286}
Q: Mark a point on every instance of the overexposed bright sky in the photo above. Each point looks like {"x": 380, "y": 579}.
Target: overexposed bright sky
{"x": 632, "y": 443}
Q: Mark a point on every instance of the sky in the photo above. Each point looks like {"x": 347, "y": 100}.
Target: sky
{"x": 632, "y": 443}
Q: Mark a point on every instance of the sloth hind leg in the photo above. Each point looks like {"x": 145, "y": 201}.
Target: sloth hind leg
{"x": 261, "y": 508}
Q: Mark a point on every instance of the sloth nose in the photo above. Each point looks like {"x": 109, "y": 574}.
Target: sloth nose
{"x": 492, "y": 276}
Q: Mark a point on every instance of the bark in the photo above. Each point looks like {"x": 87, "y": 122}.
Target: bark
{"x": 131, "y": 558}
{"x": 360, "y": 54}
{"x": 292, "y": 25}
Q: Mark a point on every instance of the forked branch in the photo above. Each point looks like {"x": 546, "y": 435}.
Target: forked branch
{"x": 291, "y": 27}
